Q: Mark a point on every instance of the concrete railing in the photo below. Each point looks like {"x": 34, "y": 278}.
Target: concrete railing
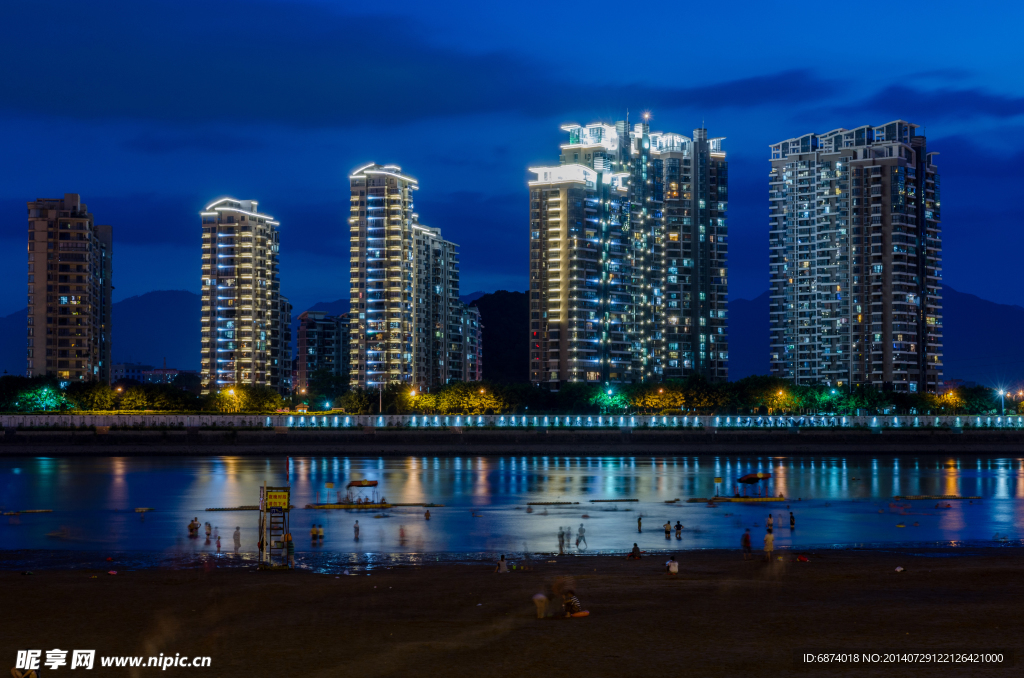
{"x": 520, "y": 421}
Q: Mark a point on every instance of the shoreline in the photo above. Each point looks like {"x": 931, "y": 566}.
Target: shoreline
{"x": 334, "y": 562}
{"x": 721, "y": 616}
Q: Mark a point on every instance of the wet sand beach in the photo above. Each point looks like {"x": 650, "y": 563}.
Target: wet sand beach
{"x": 722, "y": 616}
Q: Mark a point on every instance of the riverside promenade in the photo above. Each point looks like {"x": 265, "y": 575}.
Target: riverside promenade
{"x": 331, "y": 433}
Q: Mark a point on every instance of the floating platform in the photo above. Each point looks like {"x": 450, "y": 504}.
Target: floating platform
{"x": 374, "y": 507}
{"x": 254, "y": 507}
{"x": 608, "y": 501}
{"x": 423, "y": 505}
{"x": 716, "y": 500}
{"x": 551, "y": 503}
{"x": 142, "y": 510}
{"x": 14, "y": 513}
{"x": 933, "y": 496}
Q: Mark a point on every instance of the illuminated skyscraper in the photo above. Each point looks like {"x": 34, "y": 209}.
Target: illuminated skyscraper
{"x": 69, "y": 287}
{"x": 628, "y": 247}
{"x": 406, "y": 321}
{"x": 244, "y": 316}
{"x": 855, "y": 264}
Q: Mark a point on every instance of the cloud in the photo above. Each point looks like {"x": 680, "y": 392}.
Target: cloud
{"x": 299, "y": 65}
{"x": 947, "y": 104}
{"x": 207, "y": 142}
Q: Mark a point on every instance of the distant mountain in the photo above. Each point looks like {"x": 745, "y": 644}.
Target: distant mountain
{"x": 979, "y": 344}
{"x": 506, "y": 350}
{"x": 157, "y": 325}
{"x": 982, "y": 339}
{"x": 748, "y": 337}
{"x": 471, "y": 297}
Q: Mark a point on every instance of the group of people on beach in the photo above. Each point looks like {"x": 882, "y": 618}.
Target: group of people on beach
{"x": 565, "y": 534}
{"x": 213, "y": 534}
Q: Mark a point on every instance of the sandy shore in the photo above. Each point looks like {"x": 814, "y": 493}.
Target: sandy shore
{"x": 722, "y": 616}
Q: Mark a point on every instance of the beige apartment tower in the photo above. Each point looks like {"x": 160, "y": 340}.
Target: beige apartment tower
{"x": 69, "y": 288}
{"x": 244, "y": 317}
{"x": 406, "y": 324}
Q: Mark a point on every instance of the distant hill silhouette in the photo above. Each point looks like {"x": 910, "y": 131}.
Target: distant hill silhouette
{"x": 506, "y": 319}
{"x": 748, "y": 337}
{"x": 980, "y": 341}
{"x": 981, "y": 336}
{"x": 157, "y": 325}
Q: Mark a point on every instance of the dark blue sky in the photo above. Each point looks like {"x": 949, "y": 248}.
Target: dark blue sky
{"x": 151, "y": 109}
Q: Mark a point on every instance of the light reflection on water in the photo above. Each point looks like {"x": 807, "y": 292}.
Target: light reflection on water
{"x": 836, "y": 500}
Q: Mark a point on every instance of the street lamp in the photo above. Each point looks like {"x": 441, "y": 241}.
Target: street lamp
{"x": 1002, "y": 401}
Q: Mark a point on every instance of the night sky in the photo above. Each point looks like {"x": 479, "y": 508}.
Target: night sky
{"x": 152, "y": 109}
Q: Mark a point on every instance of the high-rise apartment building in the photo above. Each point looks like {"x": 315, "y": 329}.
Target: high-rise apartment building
{"x": 437, "y": 316}
{"x": 322, "y": 346}
{"x": 855, "y": 259}
{"x": 69, "y": 286}
{"x": 281, "y": 352}
{"x": 406, "y": 319}
{"x": 382, "y": 255}
{"x": 628, "y": 250}
{"x": 244, "y": 317}
{"x": 473, "y": 344}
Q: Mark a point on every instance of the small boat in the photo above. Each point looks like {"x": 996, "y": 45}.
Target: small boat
{"x": 366, "y": 505}
{"x": 362, "y": 483}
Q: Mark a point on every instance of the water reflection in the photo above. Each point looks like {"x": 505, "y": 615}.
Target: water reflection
{"x": 842, "y": 500}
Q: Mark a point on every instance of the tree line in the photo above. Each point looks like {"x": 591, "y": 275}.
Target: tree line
{"x": 694, "y": 395}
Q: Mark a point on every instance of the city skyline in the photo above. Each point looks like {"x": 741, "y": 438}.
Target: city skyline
{"x": 138, "y": 150}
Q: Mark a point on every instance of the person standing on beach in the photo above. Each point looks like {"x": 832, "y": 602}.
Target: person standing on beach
{"x": 769, "y": 545}
{"x": 356, "y": 529}
{"x": 668, "y": 529}
{"x": 745, "y": 542}
{"x": 209, "y": 528}
{"x": 639, "y": 524}
{"x": 581, "y": 536}
{"x": 770, "y": 522}
{"x": 238, "y": 538}
{"x": 792, "y": 521}
{"x": 426, "y": 516}
{"x": 679, "y": 530}
{"x": 561, "y": 541}
{"x": 320, "y": 533}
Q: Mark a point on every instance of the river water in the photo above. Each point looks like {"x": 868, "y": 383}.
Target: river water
{"x": 836, "y": 501}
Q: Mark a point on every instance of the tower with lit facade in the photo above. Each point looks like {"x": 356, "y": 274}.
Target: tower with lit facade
{"x": 628, "y": 258}
{"x": 244, "y": 317}
{"x": 856, "y": 259}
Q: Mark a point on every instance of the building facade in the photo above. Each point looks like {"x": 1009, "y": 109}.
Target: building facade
{"x": 322, "y": 345}
{"x": 70, "y": 262}
{"x": 244, "y": 317}
{"x": 856, "y": 259}
{"x": 473, "y": 344}
{"x": 381, "y": 232}
{"x": 406, "y": 320}
{"x": 437, "y": 312}
{"x": 134, "y": 371}
{"x": 628, "y": 258}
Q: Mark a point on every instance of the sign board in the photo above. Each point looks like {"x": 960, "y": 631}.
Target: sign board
{"x": 718, "y": 480}
{"x": 329, "y": 486}
{"x": 277, "y": 499}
